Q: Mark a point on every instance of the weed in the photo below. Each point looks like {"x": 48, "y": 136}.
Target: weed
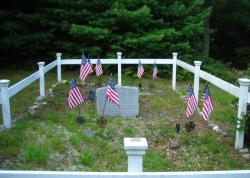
{"x": 87, "y": 157}
{"x": 37, "y": 154}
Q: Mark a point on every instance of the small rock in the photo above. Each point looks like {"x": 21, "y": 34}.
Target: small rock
{"x": 50, "y": 92}
{"x": 34, "y": 107}
{"x": 225, "y": 134}
{"x": 174, "y": 145}
{"x": 39, "y": 98}
{"x": 183, "y": 97}
{"x": 64, "y": 81}
{"x": 31, "y": 112}
{"x": 244, "y": 150}
{"x": 216, "y": 128}
{"x": 36, "y": 103}
{"x": 211, "y": 125}
{"x": 148, "y": 94}
{"x": 89, "y": 132}
{"x": 44, "y": 103}
{"x": 83, "y": 83}
{"x": 246, "y": 156}
{"x": 54, "y": 85}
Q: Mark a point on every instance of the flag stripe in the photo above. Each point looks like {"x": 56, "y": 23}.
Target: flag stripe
{"x": 191, "y": 102}
{"x": 155, "y": 71}
{"x": 75, "y": 97}
{"x": 111, "y": 94}
{"x": 98, "y": 68}
{"x": 140, "y": 70}
{"x": 207, "y": 104}
{"x": 86, "y": 69}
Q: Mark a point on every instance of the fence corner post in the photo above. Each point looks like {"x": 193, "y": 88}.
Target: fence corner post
{"x": 197, "y": 78}
{"x": 119, "y": 58}
{"x": 5, "y": 103}
{"x": 242, "y": 108}
{"x": 41, "y": 79}
{"x": 59, "y": 67}
{"x": 135, "y": 149}
{"x": 174, "y": 70}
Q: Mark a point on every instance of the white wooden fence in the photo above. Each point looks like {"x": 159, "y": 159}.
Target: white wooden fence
{"x": 240, "y": 92}
{"x": 64, "y": 174}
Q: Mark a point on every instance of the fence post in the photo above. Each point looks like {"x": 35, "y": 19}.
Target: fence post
{"x": 41, "y": 79}
{"x": 174, "y": 71}
{"x": 197, "y": 79}
{"x": 242, "y": 108}
{"x": 59, "y": 68}
{"x": 119, "y": 57}
{"x": 5, "y": 103}
{"x": 135, "y": 149}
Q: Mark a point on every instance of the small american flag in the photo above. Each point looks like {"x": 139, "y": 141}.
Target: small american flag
{"x": 140, "y": 70}
{"x": 155, "y": 71}
{"x": 98, "y": 68}
{"x": 207, "y": 104}
{"x": 191, "y": 102}
{"x": 112, "y": 95}
{"x": 75, "y": 97}
{"x": 86, "y": 68}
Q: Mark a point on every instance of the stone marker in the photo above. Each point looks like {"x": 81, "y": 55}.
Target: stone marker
{"x": 89, "y": 132}
{"x": 243, "y": 151}
{"x": 135, "y": 149}
{"x": 129, "y": 102}
{"x": 174, "y": 145}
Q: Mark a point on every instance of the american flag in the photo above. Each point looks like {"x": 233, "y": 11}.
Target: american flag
{"x": 98, "y": 68}
{"x": 140, "y": 70}
{"x": 86, "y": 68}
{"x": 191, "y": 102}
{"x": 75, "y": 97}
{"x": 155, "y": 71}
{"x": 112, "y": 95}
{"x": 207, "y": 104}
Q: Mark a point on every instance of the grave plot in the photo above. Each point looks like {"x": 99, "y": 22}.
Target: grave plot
{"x": 51, "y": 139}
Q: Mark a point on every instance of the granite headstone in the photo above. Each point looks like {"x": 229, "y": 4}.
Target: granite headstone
{"x": 129, "y": 102}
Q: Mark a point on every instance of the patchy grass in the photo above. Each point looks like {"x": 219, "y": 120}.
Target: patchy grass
{"x": 51, "y": 139}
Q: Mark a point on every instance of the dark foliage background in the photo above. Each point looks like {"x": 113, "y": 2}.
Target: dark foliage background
{"x": 33, "y": 30}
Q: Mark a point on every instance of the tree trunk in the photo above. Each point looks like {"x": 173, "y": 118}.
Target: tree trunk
{"x": 206, "y": 37}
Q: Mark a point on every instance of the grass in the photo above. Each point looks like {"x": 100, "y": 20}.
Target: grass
{"x": 51, "y": 139}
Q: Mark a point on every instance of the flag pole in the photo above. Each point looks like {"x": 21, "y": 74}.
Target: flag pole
{"x": 104, "y": 106}
{"x": 79, "y": 111}
{"x": 105, "y": 101}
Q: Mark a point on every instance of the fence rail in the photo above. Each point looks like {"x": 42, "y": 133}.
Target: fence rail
{"x": 186, "y": 66}
{"x": 49, "y": 66}
{"x": 115, "y": 61}
{"x": 17, "y": 87}
{"x": 56, "y": 174}
{"x": 228, "y": 87}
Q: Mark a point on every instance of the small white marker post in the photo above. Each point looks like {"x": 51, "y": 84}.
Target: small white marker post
{"x": 59, "y": 67}
{"x": 119, "y": 64}
{"x": 5, "y": 103}
{"x": 41, "y": 75}
{"x": 197, "y": 78}
{"x": 242, "y": 108}
{"x": 135, "y": 149}
{"x": 174, "y": 71}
